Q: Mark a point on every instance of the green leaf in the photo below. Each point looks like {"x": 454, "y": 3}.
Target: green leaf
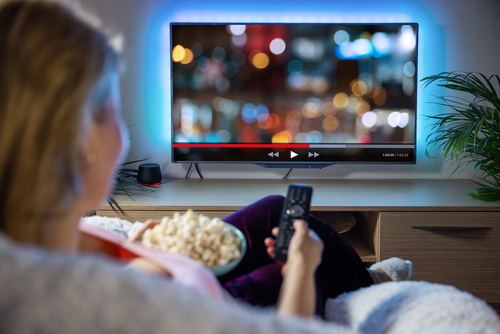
{"x": 112, "y": 203}
{"x": 469, "y": 131}
{"x": 486, "y": 194}
{"x": 121, "y": 179}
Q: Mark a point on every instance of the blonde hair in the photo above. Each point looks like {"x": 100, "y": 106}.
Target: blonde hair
{"x": 55, "y": 69}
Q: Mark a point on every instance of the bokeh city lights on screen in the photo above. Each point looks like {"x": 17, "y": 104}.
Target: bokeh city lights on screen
{"x": 339, "y": 83}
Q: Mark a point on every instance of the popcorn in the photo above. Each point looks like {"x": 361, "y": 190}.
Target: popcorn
{"x": 206, "y": 240}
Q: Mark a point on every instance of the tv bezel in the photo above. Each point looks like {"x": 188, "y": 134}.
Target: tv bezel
{"x": 295, "y": 164}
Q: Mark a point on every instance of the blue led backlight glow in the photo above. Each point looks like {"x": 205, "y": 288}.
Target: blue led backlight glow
{"x": 430, "y": 58}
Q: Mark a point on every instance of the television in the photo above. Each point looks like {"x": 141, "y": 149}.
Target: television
{"x": 293, "y": 95}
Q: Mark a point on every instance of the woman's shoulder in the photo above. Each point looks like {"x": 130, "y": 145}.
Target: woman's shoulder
{"x": 45, "y": 291}
{"x": 48, "y": 291}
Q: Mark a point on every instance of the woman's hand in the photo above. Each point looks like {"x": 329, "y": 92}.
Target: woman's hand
{"x": 141, "y": 264}
{"x": 305, "y": 247}
{"x": 298, "y": 290}
{"x": 148, "y": 224}
{"x": 146, "y": 266}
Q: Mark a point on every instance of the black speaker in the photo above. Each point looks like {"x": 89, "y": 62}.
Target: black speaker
{"x": 149, "y": 174}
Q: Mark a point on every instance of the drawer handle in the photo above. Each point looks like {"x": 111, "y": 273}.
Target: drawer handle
{"x": 449, "y": 228}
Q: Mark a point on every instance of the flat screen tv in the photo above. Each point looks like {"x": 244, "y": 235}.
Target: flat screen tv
{"x": 293, "y": 95}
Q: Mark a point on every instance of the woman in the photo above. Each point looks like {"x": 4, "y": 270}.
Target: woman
{"x": 61, "y": 140}
{"x": 257, "y": 280}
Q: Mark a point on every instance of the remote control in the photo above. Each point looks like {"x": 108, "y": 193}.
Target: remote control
{"x": 296, "y": 206}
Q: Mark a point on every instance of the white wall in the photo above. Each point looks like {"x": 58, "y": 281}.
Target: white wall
{"x": 470, "y": 33}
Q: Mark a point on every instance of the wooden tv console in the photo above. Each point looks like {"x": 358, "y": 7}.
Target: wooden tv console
{"x": 450, "y": 237}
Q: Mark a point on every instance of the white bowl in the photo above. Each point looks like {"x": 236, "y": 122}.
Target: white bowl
{"x": 221, "y": 270}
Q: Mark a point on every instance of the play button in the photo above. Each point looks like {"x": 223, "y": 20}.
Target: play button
{"x": 293, "y": 154}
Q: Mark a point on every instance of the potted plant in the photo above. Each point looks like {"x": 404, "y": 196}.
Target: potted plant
{"x": 469, "y": 132}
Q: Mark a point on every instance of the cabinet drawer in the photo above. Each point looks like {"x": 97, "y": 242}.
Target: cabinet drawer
{"x": 142, "y": 216}
{"x": 457, "y": 248}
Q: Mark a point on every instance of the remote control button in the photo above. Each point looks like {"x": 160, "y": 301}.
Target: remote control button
{"x": 296, "y": 211}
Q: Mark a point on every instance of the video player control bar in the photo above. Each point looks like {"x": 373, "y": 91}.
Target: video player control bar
{"x": 281, "y": 153}
{"x": 205, "y": 145}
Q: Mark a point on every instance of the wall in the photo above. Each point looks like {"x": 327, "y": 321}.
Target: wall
{"x": 455, "y": 35}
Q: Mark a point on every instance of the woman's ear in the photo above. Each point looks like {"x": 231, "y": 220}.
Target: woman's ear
{"x": 90, "y": 158}
{"x": 88, "y": 154}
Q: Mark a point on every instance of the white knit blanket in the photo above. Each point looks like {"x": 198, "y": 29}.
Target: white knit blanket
{"x": 413, "y": 307}
{"x": 120, "y": 226}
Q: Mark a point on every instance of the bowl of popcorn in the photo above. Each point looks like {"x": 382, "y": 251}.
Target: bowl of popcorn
{"x": 212, "y": 242}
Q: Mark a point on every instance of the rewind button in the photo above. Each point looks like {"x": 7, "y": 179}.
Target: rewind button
{"x": 274, "y": 154}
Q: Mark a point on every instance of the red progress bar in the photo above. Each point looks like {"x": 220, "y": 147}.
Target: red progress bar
{"x": 245, "y": 145}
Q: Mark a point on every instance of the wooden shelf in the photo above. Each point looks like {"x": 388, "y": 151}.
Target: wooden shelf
{"x": 328, "y": 195}
{"x": 364, "y": 251}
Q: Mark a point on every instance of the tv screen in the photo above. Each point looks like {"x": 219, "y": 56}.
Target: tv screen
{"x": 293, "y": 94}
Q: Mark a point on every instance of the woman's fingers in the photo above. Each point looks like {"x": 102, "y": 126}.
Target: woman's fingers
{"x": 300, "y": 225}
{"x": 150, "y": 223}
{"x": 275, "y": 231}
{"x": 270, "y": 252}
{"x": 269, "y": 242}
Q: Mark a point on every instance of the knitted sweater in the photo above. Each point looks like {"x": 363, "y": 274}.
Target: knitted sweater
{"x": 50, "y": 292}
